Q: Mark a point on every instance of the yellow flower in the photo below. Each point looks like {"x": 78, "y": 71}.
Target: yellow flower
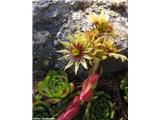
{"x": 76, "y": 51}
{"x": 111, "y": 50}
{"x": 101, "y": 22}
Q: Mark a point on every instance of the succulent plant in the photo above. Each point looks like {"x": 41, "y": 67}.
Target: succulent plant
{"x": 100, "y": 108}
{"x": 124, "y": 86}
{"x": 55, "y": 85}
{"x": 95, "y": 43}
{"x": 101, "y": 38}
{"x": 42, "y": 110}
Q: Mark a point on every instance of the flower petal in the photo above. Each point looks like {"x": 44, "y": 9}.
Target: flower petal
{"x": 76, "y": 67}
{"x": 104, "y": 57}
{"x": 64, "y": 57}
{"x": 71, "y": 38}
{"x": 88, "y": 50}
{"x": 63, "y": 51}
{"x": 118, "y": 56}
{"x": 87, "y": 57}
{"x": 65, "y": 44}
{"x": 83, "y": 62}
{"x": 87, "y": 44}
{"x": 70, "y": 63}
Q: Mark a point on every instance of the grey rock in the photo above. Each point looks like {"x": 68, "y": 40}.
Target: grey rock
{"x": 54, "y": 19}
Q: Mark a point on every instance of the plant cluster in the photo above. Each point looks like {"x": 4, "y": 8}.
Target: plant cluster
{"x": 55, "y": 86}
{"x": 96, "y": 43}
{"x": 89, "y": 48}
{"x": 100, "y": 107}
{"x": 51, "y": 96}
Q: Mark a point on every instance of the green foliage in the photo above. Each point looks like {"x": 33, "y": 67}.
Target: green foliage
{"x": 124, "y": 86}
{"x": 55, "y": 85}
{"x": 42, "y": 110}
{"x": 100, "y": 108}
{"x": 38, "y": 97}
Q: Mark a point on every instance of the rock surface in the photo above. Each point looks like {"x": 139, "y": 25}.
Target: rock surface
{"x": 54, "y": 19}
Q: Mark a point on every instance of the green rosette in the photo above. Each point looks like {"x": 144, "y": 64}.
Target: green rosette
{"x": 100, "y": 108}
{"x": 42, "y": 110}
{"x": 55, "y": 85}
